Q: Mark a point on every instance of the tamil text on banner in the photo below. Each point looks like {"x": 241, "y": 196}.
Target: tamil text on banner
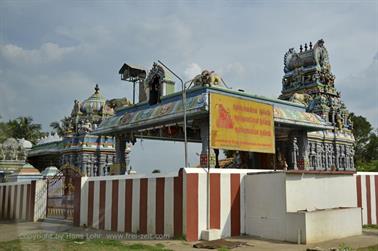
{"x": 239, "y": 124}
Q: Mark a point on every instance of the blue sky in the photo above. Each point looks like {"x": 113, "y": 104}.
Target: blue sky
{"x": 54, "y": 52}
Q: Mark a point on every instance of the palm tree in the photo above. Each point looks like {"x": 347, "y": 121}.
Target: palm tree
{"x": 23, "y": 127}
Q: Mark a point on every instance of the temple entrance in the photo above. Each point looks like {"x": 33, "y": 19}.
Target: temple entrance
{"x": 60, "y": 194}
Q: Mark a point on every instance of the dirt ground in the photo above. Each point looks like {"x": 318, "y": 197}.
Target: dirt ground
{"x": 10, "y": 231}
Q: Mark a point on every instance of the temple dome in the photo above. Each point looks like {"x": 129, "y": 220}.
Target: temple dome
{"x": 94, "y": 104}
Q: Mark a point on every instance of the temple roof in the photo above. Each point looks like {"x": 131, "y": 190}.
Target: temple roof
{"x": 170, "y": 111}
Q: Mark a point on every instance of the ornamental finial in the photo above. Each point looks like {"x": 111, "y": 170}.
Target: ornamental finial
{"x": 97, "y": 88}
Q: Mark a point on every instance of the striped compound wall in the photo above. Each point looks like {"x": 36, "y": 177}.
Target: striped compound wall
{"x": 174, "y": 206}
{"x": 171, "y": 205}
{"x": 130, "y": 204}
{"x": 367, "y": 196}
{"x": 23, "y": 201}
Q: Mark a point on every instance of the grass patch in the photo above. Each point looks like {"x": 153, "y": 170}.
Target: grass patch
{"x": 76, "y": 245}
{"x": 223, "y": 249}
{"x": 371, "y": 226}
{"x": 371, "y": 248}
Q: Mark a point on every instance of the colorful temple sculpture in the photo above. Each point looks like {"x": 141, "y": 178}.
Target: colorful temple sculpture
{"x": 308, "y": 80}
{"x": 78, "y": 147}
{"x": 13, "y": 153}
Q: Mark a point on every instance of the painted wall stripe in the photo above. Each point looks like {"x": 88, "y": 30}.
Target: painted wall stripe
{"x": 90, "y": 203}
{"x": 9, "y": 202}
{"x": 225, "y": 204}
{"x": 114, "y": 205}
{"x": 151, "y": 206}
{"x": 28, "y": 199}
{"x": 242, "y": 204}
{"x": 178, "y": 204}
{"x": 77, "y": 199}
{"x": 143, "y": 205}
{"x": 376, "y": 198}
{"x": 192, "y": 207}
{"x": 19, "y": 203}
{"x": 15, "y": 204}
{"x": 24, "y": 203}
{"x": 84, "y": 210}
{"x": 202, "y": 203}
{"x": 32, "y": 195}
{"x": 169, "y": 206}
{"x": 96, "y": 204}
{"x": 108, "y": 205}
{"x": 215, "y": 200}
{"x": 373, "y": 200}
{"x": 363, "y": 199}
{"x": 159, "y": 216}
{"x": 135, "y": 205}
{"x": 368, "y": 199}
{"x": 128, "y": 205}
{"x": 101, "y": 214}
{"x": 359, "y": 192}
{"x": 4, "y": 202}
{"x": 235, "y": 204}
{"x": 121, "y": 205}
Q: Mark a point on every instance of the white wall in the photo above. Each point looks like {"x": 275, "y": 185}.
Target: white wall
{"x": 265, "y": 205}
{"x": 282, "y": 206}
{"x": 320, "y": 191}
{"x": 333, "y": 224}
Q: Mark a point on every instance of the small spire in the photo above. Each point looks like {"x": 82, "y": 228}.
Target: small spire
{"x": 305, "y": 46}
{"x": 300, "y": 48}
{"x": 97, "y": 88}
{"x": 310, "y": 45}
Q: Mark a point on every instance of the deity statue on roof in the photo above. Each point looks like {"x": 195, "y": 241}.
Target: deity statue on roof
{"x": 308, "y": 80}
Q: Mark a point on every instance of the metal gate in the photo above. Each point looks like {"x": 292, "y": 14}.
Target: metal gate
{"x": 60, "y": 194}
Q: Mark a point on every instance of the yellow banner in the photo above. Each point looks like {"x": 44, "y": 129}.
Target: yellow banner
{"x": 238, "y": 124}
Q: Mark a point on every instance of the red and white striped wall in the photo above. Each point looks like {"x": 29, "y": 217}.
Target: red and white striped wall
{"x": 227, "y": 204}
{"x": 173, "y": 206}
{"x": 131, "y": 204}
{"x": 367, "y": 196}
{"x": 18, "y": 200}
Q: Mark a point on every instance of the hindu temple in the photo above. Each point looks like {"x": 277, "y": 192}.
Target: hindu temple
{"x": 311, "y": 128}
{"x": 92, "y": 155}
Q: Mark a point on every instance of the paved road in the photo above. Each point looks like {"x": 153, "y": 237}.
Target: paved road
{"x": 11, "y": 231}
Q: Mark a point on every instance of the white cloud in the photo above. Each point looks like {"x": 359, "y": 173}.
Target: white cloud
{"x": 47, "y": 53}
{"x": 191, "y": 71}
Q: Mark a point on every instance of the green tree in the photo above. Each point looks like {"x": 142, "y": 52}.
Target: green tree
{"x": 362, "y": 131}
{"x": 366, "y": 145}
{"x": 4, "y": 131}
{"x": 23, "y": 127}
{"x": 372, "y": 147}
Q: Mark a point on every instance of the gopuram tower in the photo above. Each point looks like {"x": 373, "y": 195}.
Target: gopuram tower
{"x": 308, "y": 80}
